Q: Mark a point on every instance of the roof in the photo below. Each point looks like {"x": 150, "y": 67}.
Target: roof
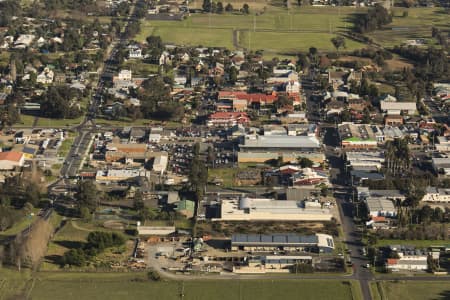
{"x": 387, "y": 105}
{"x": 282, "y": 141}
{"x": 277, "y": 238}
{"x": 380, "y": 204}
{"x": 11, "y": 156}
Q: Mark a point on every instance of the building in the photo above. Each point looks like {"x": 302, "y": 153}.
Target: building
{"x": 160, "y": 163}
{"x": 355, "y": 136}
{"x": 436, "y": 195}
{"x": 380, "y": 207}
{"x": 358, "y": 160}
{"x": 308, "y": 176}
{"x": 45, "y": 77}
{"x": 393, "y": 120}
{"x": 152, "y": 230}
{"x": 227, "y": 119}
{"x": 263, "y": 209}
{"x": 125, "y": 75}
{"x": 11, "y": 159}
{"x": 277, "y": 143}
{"x": 414, "y": 260}
{"x": 397, "y": 108}
{"x": 112, "y": 175}
{"x": 282, "y": 242}
{"x": 441, "y": 165}
{"x": 135, "y": 53}
{"x": 443, "y": 144}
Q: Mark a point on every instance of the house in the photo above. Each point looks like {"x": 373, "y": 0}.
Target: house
{"x": 408, "y": 261}
{"x": 135, "y": 52}
{"x": 397, "y": 108}
{"x": 436, "y": 195}
{"x": 45, "y": 77}
{"x": 125, "y": 75}
{"x": 393, "y": 120}
{"x": 336, "y": 79}
{"x": 357, "y": 104}
{"x": 11, "y": 159}
{"x": 24, "y": 41}
{"x": 227, "y": 119}
{"x": 136, "y": 135}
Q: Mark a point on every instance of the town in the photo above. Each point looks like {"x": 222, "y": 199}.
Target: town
{"x": 215, "y": 150}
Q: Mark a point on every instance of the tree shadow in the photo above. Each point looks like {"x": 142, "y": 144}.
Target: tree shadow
{"x": 54, "y": 259}
{"x": 70, "y": 244}
{"x": 445, "y": 295}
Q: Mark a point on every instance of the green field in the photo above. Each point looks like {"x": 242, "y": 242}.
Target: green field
{"x": 412, "y": 290}
{"x": 274, "y": 30}
{"x": 417, "y": 24}
{"x": 226, "y": 174}
{"x": 134, "y": 286}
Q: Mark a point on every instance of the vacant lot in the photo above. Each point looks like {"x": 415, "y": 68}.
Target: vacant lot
{"x": 416, "y": 243}
{"x": 135, "y": 286}
{"x": 413, "y": 290}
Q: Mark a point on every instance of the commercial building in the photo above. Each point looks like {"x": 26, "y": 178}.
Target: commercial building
{"x": 282, "y": 242}
{"x": 277, "y": 143}
{"x": 160, "y": 163}
{"x": 381, "y": 207}
{"x": 262, "y": 209}
{"x": 355, "y": 136}
{"x": 11, "y": 159}
{"x": 272, "y": 264}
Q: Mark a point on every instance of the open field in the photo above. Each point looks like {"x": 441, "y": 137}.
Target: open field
{"x": 135, "y": 286}
{"x": 417, "y": 24}
{"x": 411, "y": 290}
{"x": 47, "y": 122}
{"x": 21, "y": 225}
{"x": 13, "y": 283}
{"x": 299, "y": 29}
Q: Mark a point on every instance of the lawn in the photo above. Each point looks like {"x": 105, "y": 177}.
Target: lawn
{"x": 65, "y": 145}
{"x": 416, "y": 243}
{"x": 13, "y": 283}
{"x": 274, "y": 29}
{"x": 281, "y": 42}
{"x": 25, "y": 121}
{"x": 226, "y": 174}
{"x": 134, "y": 286}
{"x": 417, "y": 24}
{"x": 47, "y": 122}
{"x": 139, "y": 68}
{"x": 413, "y": 290}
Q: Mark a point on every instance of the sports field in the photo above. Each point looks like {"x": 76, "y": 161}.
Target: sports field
{"x": 275, "y": 30}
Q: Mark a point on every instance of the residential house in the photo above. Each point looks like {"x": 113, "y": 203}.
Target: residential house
{"x": 441, "y": 165}
{"x": 45, "y": 77}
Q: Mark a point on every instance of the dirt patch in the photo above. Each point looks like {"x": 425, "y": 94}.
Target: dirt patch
{"x": 116, "y": 225}
{"x": 398, "y": 63}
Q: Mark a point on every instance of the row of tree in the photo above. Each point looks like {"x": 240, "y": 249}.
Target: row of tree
{"x": 218, "y": 8}
{"x": 374, "y": 19}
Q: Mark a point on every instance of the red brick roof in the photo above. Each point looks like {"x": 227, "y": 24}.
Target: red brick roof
{"x": 11, "y": 156}
{"x": 392, "y": 261}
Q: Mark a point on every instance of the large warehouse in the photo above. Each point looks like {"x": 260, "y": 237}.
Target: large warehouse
{"x": 282, "y": 241}
{"x": 263, "y": 209}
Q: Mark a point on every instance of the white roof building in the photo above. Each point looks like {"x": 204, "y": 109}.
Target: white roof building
{"x": 396, "y": 108}
{"x": 160, "y": 163}
{"x": 434, "y": 194}
{"x": 262, "y": 209}
{"x": 381, "y": 207}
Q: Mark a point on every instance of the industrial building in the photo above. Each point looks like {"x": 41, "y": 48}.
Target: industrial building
{"x": 263, "y": 209}
{"x": 282, "y": 242}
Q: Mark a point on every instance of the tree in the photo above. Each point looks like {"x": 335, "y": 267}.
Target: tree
{"x": 305, "y": 162}
{"x": 219, "y": 7}
{"x": 74, "y": 257}
{"x": 338, "y": 42}
{"x": 87, "y": 195}
{"x": 206, "y": 6}
{"x": 229, "y": 7}
{"x": 138, "y": 202}
{"x": 246, "y": 9}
